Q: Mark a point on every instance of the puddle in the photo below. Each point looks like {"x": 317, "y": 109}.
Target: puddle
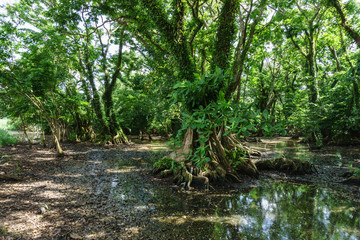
{"x": 271, "y": 211}
{"x": 329, "y": 155}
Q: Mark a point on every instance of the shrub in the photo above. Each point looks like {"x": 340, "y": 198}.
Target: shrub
{"x": 6, "y": 138}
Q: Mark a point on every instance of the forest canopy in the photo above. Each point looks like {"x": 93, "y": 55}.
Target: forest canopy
{"x": 206, "y": 72}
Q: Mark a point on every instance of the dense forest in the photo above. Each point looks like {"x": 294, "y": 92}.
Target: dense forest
{"x": 207, "y": 73}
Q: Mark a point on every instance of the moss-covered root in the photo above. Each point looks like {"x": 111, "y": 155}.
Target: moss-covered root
{"x": 291, "y": 166}
{"x": 228, "y": 160}
{"x": 120, "y": 138}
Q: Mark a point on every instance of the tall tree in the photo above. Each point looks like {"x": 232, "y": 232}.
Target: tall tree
{"x": 305, "y": 37}
{"x": 206, "y": 146}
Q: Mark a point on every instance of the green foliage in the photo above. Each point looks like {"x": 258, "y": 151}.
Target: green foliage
{"x": 236, "y": 157}
{"x": 166, "y": 163}
{"x": 6, "y": 138}
{"x": 234, "y": 118}
{"x": 357, "y": 172}
{"x": 268, "y": 125}
{"x": 199, "y": 93}
{"x": 300, "y": 71}
{"x": 136, "y": 110}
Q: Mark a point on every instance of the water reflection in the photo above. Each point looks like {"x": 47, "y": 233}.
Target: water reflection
{"x": 330, "y": 155}
{"x": 288, "y": 211}
{"x": 272, "y": 211}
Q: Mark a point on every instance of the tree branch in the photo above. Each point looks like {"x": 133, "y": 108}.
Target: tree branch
{"x": 344, "y": 23}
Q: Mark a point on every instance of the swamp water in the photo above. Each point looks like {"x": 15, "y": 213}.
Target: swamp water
{"x": 268, "y": 210}
{"x": 272, "y": 211}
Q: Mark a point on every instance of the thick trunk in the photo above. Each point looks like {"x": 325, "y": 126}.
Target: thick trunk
{"x": 229, "y": 161}
{"x": 311, "y": 69}
{"x": 110, "y": 82}
{"x": 224, "y": 35}
{"x": 109, "y": 111}
{"x": 96, "y": 102}
{"x": 95, "y": 95}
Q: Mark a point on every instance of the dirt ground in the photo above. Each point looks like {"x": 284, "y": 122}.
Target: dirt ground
{"x": 73, "y": 197}
{"x": 69, "y": 197}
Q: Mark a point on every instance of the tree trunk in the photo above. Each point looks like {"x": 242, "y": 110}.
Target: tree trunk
{"x": 55, "y": 129}
{"x": 224, "y": 158}
{"x": 110, "y": 83}
{"x": 25, "y": 133}
{"x": 356, "y": 95}
{"x": 229, "y": 160}
{"x": 95, "y": 95}
{"x": 96, "y": 101}
{"x": 109, "y": 111}
{"x": 43, "y": 132}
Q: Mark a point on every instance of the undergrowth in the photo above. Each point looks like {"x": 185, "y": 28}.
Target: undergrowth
{"x": 6, "y": 138}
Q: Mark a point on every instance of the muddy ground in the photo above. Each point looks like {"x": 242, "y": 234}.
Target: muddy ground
{"x": 98, "y": 192}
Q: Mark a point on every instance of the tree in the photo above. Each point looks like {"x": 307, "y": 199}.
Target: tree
{"x": 209, "y": 149}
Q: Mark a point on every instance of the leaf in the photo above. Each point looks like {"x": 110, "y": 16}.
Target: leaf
{"x": 227, "y": 133}
{"x": 265, "y": 114}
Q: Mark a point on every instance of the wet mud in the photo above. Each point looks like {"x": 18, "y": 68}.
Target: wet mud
{"x": 97, "y": 192}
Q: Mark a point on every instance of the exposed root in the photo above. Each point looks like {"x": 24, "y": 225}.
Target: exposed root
{"x": 229, "y": 159}
{"x": 166, "y": 172}
{"x": 120, "y": 138}
{"x": 282, "y": 164}
{"x": 240, "y": 156}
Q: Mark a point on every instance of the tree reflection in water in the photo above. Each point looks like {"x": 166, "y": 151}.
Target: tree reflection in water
{"x": 288, "y": 211}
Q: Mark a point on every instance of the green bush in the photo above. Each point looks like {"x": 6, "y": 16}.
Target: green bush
{"x": 6, "y": 138}
{"x": 166, "y": 163}
{"x": 357, "y": 172}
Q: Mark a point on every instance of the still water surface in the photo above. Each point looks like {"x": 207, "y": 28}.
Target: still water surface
{"x": 269, "y": 210}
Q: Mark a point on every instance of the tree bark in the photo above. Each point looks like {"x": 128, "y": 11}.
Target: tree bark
{"x": 243, "y": 47}
{"x": 224, "y": 163}
{"x": 110, "y": 83}
{"x": 25, "y": 132}
{"x": 353, "y": 34}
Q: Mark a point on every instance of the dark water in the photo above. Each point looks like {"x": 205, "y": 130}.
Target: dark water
{"x": 272, "y": 211}
{"x": 269, "y": 210}
{"x": 329, "y": 155}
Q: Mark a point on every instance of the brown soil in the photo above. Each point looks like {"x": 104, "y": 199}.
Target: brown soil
{"x": 65, "y": 198}
{"x": 73, "y": 197}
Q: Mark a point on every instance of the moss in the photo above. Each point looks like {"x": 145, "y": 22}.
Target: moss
{"x": 292, "y": 166}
